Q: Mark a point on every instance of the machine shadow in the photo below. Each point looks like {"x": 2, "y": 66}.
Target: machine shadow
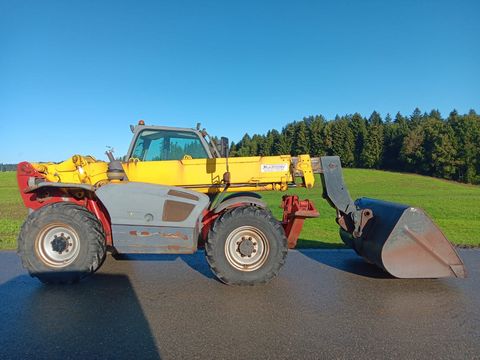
{"x": 346, "y": 260}
{"x": 99, "y": 318}
{"x": 315, "y": 244}
{"x": 195, "y": 261}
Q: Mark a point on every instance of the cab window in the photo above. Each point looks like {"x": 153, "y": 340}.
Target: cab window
{"x": 157, "y": 145}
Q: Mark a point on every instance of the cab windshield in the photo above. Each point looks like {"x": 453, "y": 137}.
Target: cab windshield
{"x": 157, "y": 145}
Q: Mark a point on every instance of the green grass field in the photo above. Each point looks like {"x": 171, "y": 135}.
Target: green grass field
{"x": 451, "y": 205}
{"x": 12, "y": 211}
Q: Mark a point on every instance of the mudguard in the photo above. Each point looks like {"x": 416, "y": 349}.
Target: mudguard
{"x": 234, "y": 200}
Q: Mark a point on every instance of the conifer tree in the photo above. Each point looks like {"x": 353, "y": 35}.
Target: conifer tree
{"x": 359, "y": 130}
{"x": 343, "y": 142}
{"x": 315, "y": 136}
{"x": 371, "y": 156}
{"x": 300, "y": 139}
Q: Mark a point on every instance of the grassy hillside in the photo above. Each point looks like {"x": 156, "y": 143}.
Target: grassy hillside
{"x": 451, "y": 205}
{"x": 12, "y": 211}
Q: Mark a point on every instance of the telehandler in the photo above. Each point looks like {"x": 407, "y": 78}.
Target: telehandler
{"x": 176, "y": 190}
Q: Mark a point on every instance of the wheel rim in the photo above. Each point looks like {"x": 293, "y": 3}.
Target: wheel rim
{"x": 247, "y": 248}
{"x": 58, "y": 245}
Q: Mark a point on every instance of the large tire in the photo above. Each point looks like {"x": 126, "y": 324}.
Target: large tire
{"x": 246, "y": 246}
{"x": 61, "y": 243}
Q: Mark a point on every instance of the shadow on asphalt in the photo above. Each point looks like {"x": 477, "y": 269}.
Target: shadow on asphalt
{"x": 347, "y": 261}
{"x": 100, "y": 318}
{"x": 316, "y": 244}
{"x": 195, "y": 262}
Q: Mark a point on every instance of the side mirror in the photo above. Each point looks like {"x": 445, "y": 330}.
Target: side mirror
{"x": 224, "y": 147}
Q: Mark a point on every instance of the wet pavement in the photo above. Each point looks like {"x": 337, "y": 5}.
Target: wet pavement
{"x": 324, "y": 304}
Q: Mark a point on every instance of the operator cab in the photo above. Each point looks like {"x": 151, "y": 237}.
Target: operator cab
{"x": 160, "y": 143}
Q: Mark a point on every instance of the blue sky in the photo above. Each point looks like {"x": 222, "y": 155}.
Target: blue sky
{"x": 75, "y": 74}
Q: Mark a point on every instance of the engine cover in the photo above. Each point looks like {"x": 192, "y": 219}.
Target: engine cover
{"x": 155, "y": 219}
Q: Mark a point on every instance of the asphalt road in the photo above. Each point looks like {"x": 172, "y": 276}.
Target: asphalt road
{"x": 325, "y": 304}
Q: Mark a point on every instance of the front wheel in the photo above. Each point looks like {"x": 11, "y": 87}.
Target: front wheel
{"x": 246, "y": 246}
{"x": 61, "y": 243}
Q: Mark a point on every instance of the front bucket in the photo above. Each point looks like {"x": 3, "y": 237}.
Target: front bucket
{"x": 405, "y": 242}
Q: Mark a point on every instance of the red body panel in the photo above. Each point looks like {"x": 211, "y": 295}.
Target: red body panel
{"x": 295, "y": 212}
{"x": 38, "y": 198}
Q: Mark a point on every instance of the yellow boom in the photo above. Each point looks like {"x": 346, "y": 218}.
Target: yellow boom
{"x": 257, "y": 173}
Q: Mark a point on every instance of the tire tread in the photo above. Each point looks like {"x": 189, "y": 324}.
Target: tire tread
{"x": 214, "y": 240}
{"x": 96, "y": 241}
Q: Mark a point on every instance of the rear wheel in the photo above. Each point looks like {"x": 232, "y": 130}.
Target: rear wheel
{"x": 61, "y": 243}
{"x": 246, "y": 246}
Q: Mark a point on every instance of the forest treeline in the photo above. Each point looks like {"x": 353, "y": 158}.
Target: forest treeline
{"x": 8, "y": 167}
{"x": 423, "y": 143}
